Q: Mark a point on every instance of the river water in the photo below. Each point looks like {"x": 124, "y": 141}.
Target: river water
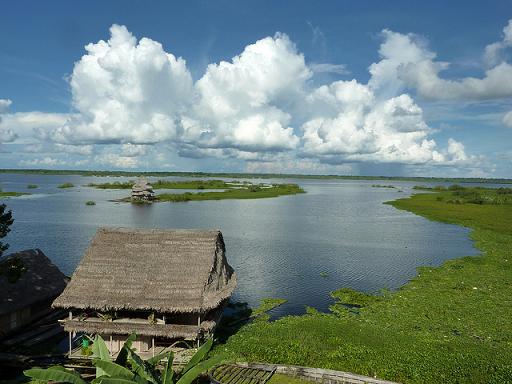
{"x": 301, "y": 247}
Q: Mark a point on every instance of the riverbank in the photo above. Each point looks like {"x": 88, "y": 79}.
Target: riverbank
{"x": 449, "y": 324}
{"x": 237, "y": 175}
{"x": 6, "y": 195}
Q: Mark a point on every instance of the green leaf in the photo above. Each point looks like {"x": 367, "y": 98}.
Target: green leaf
{"x": 122, "y": 356}
{"x": 100, "y": 351}
{"x": 58, "y": 374}
{"x": 156, "y": 359}
{"x": 113, "y": 369}
{"x": 141, "y": 368}
{"x": 194, "y": 372}
{"x": 168, "y": 374}
{"x": 198, "y": 356}
{"x": 112, "y": 380}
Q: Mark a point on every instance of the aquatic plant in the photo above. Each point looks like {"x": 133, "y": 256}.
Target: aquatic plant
{"x": 66, "y": 185}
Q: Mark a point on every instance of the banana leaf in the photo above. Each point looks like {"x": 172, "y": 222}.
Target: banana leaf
{"x": 57, "y": 374}
{"x": 141, "y": 368}
{"x": 113, "y": 370}
{"x": 194, "y": 372}
{"x": 122, "y": 356}
{"x": 198, "y": 356}
{"x": 168, "y": 373}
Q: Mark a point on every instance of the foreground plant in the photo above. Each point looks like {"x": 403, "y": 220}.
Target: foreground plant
{"x": 129, "y": 368}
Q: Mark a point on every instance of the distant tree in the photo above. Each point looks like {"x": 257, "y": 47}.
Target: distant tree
{"x": 6, "y": 221}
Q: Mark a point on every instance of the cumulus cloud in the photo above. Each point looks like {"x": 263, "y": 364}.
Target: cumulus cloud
{"x": 408, "y": 63}
{"x": 339, "y": 69}
{"x": 126, "y": 91}
{"x": 6, "y": 135}
{"x": 494, "y": 52}
{"x": 257, "y": 106}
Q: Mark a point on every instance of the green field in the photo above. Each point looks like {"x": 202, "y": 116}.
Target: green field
{"x": 450, "y": 324}
{"x": 6, "y": 195}
{"x": 251, "y": 191}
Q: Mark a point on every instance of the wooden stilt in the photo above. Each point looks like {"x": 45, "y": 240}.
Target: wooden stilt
{"x": 153, "y": 345}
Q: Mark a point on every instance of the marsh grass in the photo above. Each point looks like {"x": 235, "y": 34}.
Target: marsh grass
{"x": 66, "y": 185}
{"x": 447, "y": 325}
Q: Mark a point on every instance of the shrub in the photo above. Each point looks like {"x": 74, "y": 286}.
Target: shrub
{"x": 66, "y": 185}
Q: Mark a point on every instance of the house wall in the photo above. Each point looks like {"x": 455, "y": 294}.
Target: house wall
{"x": 142, "y": 344}
{"x": 11, "y": 321}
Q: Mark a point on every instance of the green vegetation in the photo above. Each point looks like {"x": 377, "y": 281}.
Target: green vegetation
{"x": 447, "y": 325}
{"x": 66, "y": 185}
{"x": 383, "y": 186}
{"x": 250, "y": 191}
{"x": 278, "y": 378}
{"x": 32, "y": 186}
{"x": 90, "y": 202}
{"x": 6, "y": 195}
{"x": 250, "y": 175}
{"x": 6, "y": 221}
{"x": 129, "y": 368}
{"x": 166, "y": 184}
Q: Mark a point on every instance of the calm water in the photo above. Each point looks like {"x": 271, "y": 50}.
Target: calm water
{"x": 279, "y": 247}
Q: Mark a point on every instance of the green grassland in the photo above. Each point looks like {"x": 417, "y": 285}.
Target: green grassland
{"x": 6, "y": 195}
{"x": 251, "y": 191}
{"x": 450, "y": 324}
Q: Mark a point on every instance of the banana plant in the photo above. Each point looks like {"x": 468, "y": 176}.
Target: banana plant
{"x": 129, "y": 367}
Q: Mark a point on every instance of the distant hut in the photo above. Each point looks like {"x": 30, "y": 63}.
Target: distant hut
{"x": 27, "y": 294}
{"x": 164, "y": 285}
{"x": 142, "y": 190}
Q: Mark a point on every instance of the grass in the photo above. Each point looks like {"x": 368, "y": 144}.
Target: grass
{"x": 447, "y": 325}
{"x": 6, "y": 195}
{"x": 32, "y": 186}
{"x": 251, "y": 191}
{"x": 278, "y": 378}
{"x": 66, "y": 185}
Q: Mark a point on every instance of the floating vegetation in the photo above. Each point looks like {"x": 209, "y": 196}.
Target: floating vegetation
{"x": 32, "y": 186}
{"x": 66, "y": 185}
{"x": 90, "y": 202}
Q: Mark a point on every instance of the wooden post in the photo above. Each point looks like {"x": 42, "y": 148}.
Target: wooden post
{"x": 153, "y": 345}
{"x": 111, "y": 353}
{"x": 70, "y": 337}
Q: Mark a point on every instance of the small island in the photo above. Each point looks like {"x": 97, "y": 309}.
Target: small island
{"x": 227, "y": 190}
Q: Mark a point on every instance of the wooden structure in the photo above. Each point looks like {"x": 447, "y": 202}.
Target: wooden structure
{"x": 318, "y": 375}
{"x": 164, "y": 285}
{"x": 30, "y": 296}
{"x": 142, "y": 190}
{"x": 237, "y": 374}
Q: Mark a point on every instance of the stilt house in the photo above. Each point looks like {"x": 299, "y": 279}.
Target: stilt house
{"x": 164, "y": 285}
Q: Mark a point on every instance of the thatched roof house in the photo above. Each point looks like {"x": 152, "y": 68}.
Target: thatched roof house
{"x": 142, "y": 190}
{"x": 177, "y": 278}
{"x": 31, "y": 294}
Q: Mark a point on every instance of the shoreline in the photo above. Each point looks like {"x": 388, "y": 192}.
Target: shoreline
{"x": 448, "y": 324}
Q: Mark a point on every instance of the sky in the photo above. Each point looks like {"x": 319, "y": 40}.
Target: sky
{"x": 327, "y": 87}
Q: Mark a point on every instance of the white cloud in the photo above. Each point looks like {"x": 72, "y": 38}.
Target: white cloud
{"x": 339, "y": 69}
{"x": 30, "y": 125}
{"x": 257, "y": 106}
{"x": 494, "y": 52}
{"x": 116, "y": 160}
{"x": 6, "y": 135}
{"x": 126, "y": 91}
{"x": 134, "y": 150}
{"x": 45, "y": 162}
{"x": 407, "y": 62}
{"x": 4, "y": 105}
{"x": 507, "y": 119}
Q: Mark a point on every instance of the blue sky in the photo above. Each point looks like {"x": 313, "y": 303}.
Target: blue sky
{"x": 298, "y": 97}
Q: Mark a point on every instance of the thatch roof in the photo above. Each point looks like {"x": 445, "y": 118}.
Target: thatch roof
{"x": 142, "y": 185}
{"x": 41, "y": 281}
{"x": 168, "y": 271}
